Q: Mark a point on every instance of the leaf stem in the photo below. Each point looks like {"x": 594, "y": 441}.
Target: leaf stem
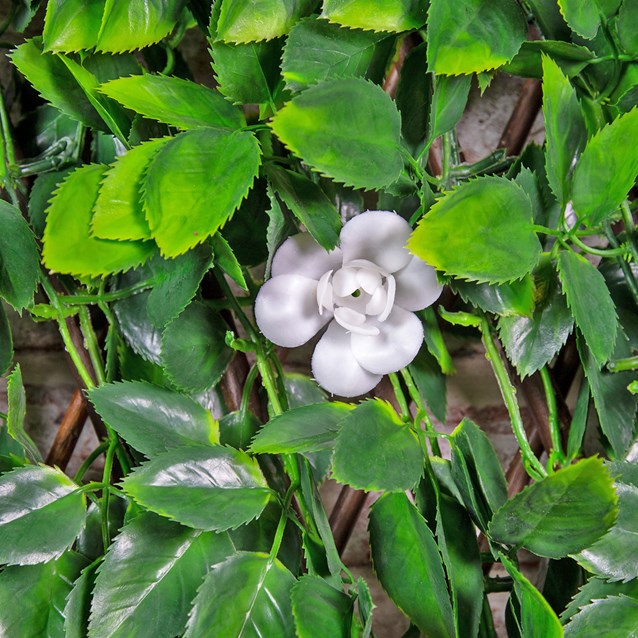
{"x": 90, "y": 459}
{"x": 630, "y": 229}
{"x": 106, "y": 495}
{"x": 621, "y": 365}
{"x": 420, "y": 404}
{"x": 116, "y": 295}
{"x": 599, "y": 252}
{"x": 90, "y": 341}
{"x": 554, "y": 424}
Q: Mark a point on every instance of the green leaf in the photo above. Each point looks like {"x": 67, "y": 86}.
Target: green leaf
{"x": 206, "y": 487}
{"x": 590, "y": 302}
{"x": 78, "y": 605}
{"x": 320, "y": 610}
{"x": 6, "y": 342}
{"x": 195, "y": 183}
{"x": 346, "y": 129}
{"x": 537, "y": 618}
{"x": 16, "y": 415}
{"x": 194, "y": 351}
{"x": 514, "y": 298}
{"x": 613, "y": 617}
{"x": 240, "y": 23}
{"x": 41, "y": 513}
{"x": 627, "y": 26}
{"x": 153, "y": 419}
{"x": 68, "y": 246}
{"x": 375, "y": 450}
{"x": 119, "y": 213}
{"x": 309, "y": 204}
{"x": 413, "y": 99}
{"x": 582, "y": 17}
{"x": 376, "y": 15}
{"x": 317, "y": 51}
{"x": 561, "y": 514}
{"x": 227, "y": 262}
{"x": 32, "y": 598}
{"x": 408, "y": 564}
{"x": 565, "y": 129}
{"x": 528, "y": 62}
{"x": 72, "y": 25}
{"x": 149, "y": 577}
{"x": 19, "y": 259}
{"x": 306, "y": 429}
{"x": 497, "y": 242}
{"x": 449, "y": 99}
{"x": 302, "y": 390}
{"x": 606, "y": 170}
{"x": 431, "y": 383}
{"x": 246, "y": 595}
{"x": 127, "y": 26}
{"x": 44, "y": 186}
{"x": 180, "y": 103}
{"x": 597, "y": 588}
{"x": 477, "y": 472}
{"x": 54, "y": 82}
{"x": 238, "y": 428}
{"x": 615, "y": 555}
{"x": 473, "y": 35}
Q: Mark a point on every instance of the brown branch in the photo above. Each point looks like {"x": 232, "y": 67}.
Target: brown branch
{"x": 69, "y": 432}
{"x": 520, "y": 123}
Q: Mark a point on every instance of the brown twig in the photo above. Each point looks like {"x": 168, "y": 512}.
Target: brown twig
{"x": 69, "y": 432}
{"x": 520, "y": 123}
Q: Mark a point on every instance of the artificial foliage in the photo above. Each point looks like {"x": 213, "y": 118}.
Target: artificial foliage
{"x": 177, "y": 231}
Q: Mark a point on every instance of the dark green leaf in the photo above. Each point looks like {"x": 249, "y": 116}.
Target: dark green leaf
{"x": 413, "y": 99}
{"x": 19, "y": 259}
{"x": 431, "y": 383}
{"x": 42, "y": 191}
{"x": 627, "y": 26}
{"x": 375, "y": 450}
{"x": 302, "y": 390}
{"x": 606, "y": 170}
{"x": 16, "y": 415}
{"x": 613, "y": 617}
{"x": 246, "y": 595}
{"x": 41, "y": 513}
{"x": 528, "y": 62}
{"x": 357, "y": 146}
{"x": 32, "y": 598}
{"x": 317, "y": 50}
{"x": 279, "y": 228}
{"x": 238, "y": 428}
{"x": 306, "y": 429}
{"x": 206, "y": 487}
{"x": 515, "y": 298}
{"x": 309, "y": 204}
{"x": 582, "y": 17}
{"x": 590, "y": 302}
{"x": 579, "y": 421}
{"x": 596, "y": 589}
{"x": 195, "y": 183}
{"x": 78, "y": 605}
{"x": 376, "y": 15}
{"x": 6, "y": 341}
{"x": 408, "y": 564}
{"x": 449, "y": 98}
{"x": 561, "y": 514}
{"x": 473, "y": 35}
{"x": 72, "y": 25}
{"x": 177, "y": 102}
{"x": 194, "y": 351}
{"x": 68, "y": 246}
{"x": 153, "y": 419}
{"x": 149, "y": 577}
{"x": 497, "y": 244}
{"x": 320, "y": 610}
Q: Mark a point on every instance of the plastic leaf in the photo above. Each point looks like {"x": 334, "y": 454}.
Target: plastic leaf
{"x": 376, "y": 15}
{"x": 72, "y": 25}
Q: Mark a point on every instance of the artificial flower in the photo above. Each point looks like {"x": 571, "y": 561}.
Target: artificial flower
{"x": 365, "y": 291}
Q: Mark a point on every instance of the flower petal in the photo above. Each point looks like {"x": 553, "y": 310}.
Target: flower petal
{"x": 417, "y": 286}
{"x": 398, "y": 342}
{"x": 378, "y": 236}
{"x": 302, "y": 255}
{"x": 286, "y": 310}
{"x": 335, "y": 368}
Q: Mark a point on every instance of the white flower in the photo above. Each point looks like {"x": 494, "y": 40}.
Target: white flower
{"x": 366, "y": 291}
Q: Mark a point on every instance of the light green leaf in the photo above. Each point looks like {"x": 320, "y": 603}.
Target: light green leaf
{"x": 473, "y": 35}
{"x": 19, "y": 259}
{"x": 317, "y": 50}
{"x": 44, "y": 185}
{"x": 376, "y": 15}
{"x": 205, "y": 487}
{"x": 41, "y": 513}
{"x": 514, "y": 298}
{"x": 613, "y": 617}
{"x": 565, "y": 129}
{"x": 537, "y": 618}
{"x": 134, "y": 25}
{"x": 68, "y": 246}
{"x": 309, "y": 204}
{"x": 181, "y": 103}
{"x": 497, "y": 242}
{"x": 606, "y": 170}
{"x": 6, "y": 341}
{"x": 119, "y": 213}
{"x": 595, "y": 589}
{"x": 246, "y": 595}
{"x": 408, "y": 564}
{"x": 449, "y": 99}
{"x": 320, "y": 610}
{"x": 16, "y": 415}
{"x": 153, "y": 419}
{"x": 627, "y": 26}
{"x": 306, "y": 429}
{"x": 72, "y": 25}
{"x": 240, "y": 22}
{"x": 149, "y": 577}
{"x": 583, "y": 17}
{"x": 561, "y": 514}
{"x": 226, "y": 260}
{"x": 194, "y": 351}
{"x": 590, "y": 302}
{"x": 32, "y": 597}
{"x": 346, "y": 129}
{"x": 570, "y": 58}
{"x": 195, "y": 183}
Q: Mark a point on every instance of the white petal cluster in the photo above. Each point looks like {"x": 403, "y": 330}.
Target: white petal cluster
{"x": 366, "y": 291}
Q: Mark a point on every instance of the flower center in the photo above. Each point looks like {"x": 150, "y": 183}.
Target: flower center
{"x": 356, "y": 292}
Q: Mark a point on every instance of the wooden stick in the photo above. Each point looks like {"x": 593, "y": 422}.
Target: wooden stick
{"x": 69, "y": 432}
{"x": 520, "y": 123}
